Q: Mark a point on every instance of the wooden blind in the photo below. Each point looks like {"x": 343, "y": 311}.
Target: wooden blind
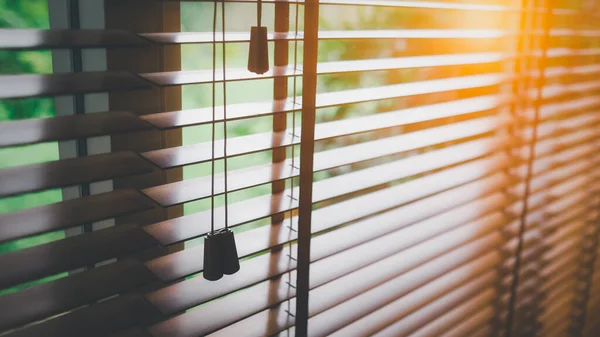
{"x": 432, "y": 172}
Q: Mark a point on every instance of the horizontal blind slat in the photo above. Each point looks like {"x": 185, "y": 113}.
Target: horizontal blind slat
{"x": 38, "y": 130}
{"x": 188, "y": 323}
{"x": 469, "y": 171}
{"x": 22, "y": 86}
{"x": 439, "y": 325}
{"x": 132, "y": 310}
{"x": 58, "y": 256}
{"x": 50, "y": 298}
{"x": 69, "y": 172}
{"x": 32, "y": 39}
{"x": 69, "y": 213}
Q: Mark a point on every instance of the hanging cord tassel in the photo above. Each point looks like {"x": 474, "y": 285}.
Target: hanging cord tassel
{"x": 212, "y": 245}
{"x": 258, "y": 55}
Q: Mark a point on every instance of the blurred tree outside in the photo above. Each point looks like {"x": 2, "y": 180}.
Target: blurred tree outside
{"x": 27, "y": 14}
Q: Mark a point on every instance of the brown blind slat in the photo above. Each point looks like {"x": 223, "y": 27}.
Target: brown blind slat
{"x": 187, "y": 227}
{"x": 192, "y": 259}
{"x": 126, "y": 311}
{"x": 46, "y": 299}
{"x": 237, "y": 308}
{"x": 70, "y": 213}
{"x": 40, "y": 130}
{"x": 165, "y": 79}
{"x": 32, "y": 39}
{"x": 180, "y": 264}
{"x": 194, "y": 189}
{"x": 460, "y": 284}
{"x": 207, "y": 37}
{"x": 22, "y": 86}
{"x": 175, "y": 119}
{"x": 198, "y": 153}
{"x": 36, "y": 262}
{"x": 68, "y": 172}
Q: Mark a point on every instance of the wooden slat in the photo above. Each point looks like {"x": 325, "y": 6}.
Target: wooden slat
{"x": 472, "y": 283}
{"x": 22, "y": 86}
{"x": 38, "y": 130}
{"x": 236, "y": 307}
{"x": 414, "y": 34}
{"x": 180, "y": 264}
{"x": 198, "y": 188}
{"x": 181, "y": 118}
{"x": 275, "y": 319}
{"x": 416, "y": 4}
{"x": 35, "y": 39}
{"x": 422, "y": 4}
{"x": 408, "y": 89}
{"x": 126, "y": 311}
{"x": 342, "y": 316}
{"x": 95, "y": 121}
{"x": 194, "y": 189}
{"x": 170, "y": 269}
{"x": 174, "y": 119}
{"x": 177, "y": 324}
{"x": 34, "y": 303}
{"x": 207, "y": 288}
{"x": 199, "y": 153}
{"x": 181, "y": 228}
{"x": 169, "y": 300}
{"x": 334, "y": 67}
{"x": 443, "y": 322}
{"x": 135, "y": 332}
{"x": 70, "y": 213}
{"x": 334, "y": 294}
{"x": 68, "y": 172}
{"x": 155, "y": 233}
{"x": 171, "y": 78}
{"x": 71, "y": 253}
{"x": 207, "y": 37}
{"x": 177, "y": 265}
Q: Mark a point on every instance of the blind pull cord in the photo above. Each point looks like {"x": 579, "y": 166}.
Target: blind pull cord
{"x": 292, "y": 226}
{"x": 258, "y": 55}
{"x": 220, "y": 252}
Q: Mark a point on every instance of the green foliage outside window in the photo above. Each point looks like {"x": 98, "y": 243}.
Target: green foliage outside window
{"x": 26, "y": 14}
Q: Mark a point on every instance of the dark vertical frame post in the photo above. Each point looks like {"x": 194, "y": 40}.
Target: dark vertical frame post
{"x": 79, "y": 99}
{"x": 307, "y": 148}
{"x": 81, "y": 145}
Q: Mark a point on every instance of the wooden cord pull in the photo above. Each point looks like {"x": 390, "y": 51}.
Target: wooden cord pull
{"x": 258, "y": 55}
